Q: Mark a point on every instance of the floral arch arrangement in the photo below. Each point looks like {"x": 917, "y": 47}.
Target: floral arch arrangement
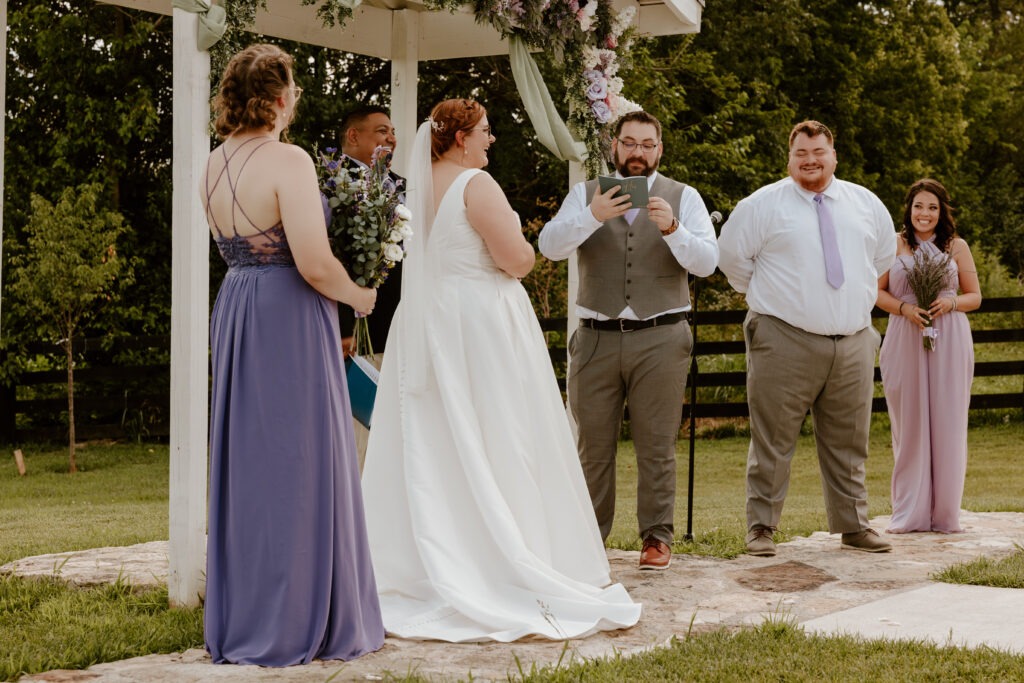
{"x": 588, "y": 38}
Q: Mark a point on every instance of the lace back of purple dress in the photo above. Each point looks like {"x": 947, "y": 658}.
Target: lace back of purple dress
{"x": 264, "y": 248}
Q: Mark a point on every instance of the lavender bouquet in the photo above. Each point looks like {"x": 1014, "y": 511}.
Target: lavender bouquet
{"x": 927, "y": 277}
{"x": 368, "y": 224}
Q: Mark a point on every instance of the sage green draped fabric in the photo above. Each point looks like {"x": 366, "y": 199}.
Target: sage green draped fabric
{"x": 551, "y": 129}
{"x": 212, "y": 21}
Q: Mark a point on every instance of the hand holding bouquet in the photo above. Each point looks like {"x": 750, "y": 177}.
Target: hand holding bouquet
{"x": 927, "y": 278}
{"x": 368, "y": 224}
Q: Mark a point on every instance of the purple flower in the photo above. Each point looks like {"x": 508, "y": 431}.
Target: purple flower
{"x": 593, "y": 75}
{"x": 602, "y": 112}
{"x": 332, "y": 165}
{"x": 331, "y": 150}
{"x": 598, "y": 89}
{"x": 381, "y": 154}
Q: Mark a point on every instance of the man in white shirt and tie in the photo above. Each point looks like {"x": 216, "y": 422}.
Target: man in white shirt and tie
{"x": 808, "y": 251}
{"x": 633, "y": 343}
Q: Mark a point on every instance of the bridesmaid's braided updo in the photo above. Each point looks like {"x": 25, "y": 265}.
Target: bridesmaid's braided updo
{"x": 449, "y": 117}
{"x": 253, "y": 80}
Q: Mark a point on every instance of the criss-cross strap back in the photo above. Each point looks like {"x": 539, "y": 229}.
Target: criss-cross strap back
{"x": 266, "y": 246}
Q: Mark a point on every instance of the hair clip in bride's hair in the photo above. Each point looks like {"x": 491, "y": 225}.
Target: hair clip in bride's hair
{"x": 436, "y": 126}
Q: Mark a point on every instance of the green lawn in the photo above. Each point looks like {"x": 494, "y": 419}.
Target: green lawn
{"x": 120, "y": 497}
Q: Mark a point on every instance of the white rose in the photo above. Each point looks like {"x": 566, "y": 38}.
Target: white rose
{"x": 591, "y": 57}
{"x": 403, "y": 213}
{"x": 405, "y": 230}
{"x": 394, "y": 253}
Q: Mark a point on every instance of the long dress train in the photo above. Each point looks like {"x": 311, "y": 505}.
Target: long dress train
{"x": 480, "y": 524}
{"x": 928, "y": 394}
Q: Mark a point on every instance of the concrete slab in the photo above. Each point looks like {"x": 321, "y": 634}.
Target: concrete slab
{"x": 942, "y": 613}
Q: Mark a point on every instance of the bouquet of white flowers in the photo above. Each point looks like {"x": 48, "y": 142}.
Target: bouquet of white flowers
{"x": 368, "y": 224}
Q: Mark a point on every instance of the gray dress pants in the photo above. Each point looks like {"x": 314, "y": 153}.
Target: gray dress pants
{"x": 646, "y": 369}
{"x": 790, "y": 371}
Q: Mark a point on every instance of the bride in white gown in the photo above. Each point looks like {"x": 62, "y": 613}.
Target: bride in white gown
{"x": 479, "y": 520}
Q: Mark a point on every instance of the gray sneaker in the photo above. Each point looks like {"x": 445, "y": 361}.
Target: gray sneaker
{"x": 868, "y": 540}
{"x": 760, "y": 543}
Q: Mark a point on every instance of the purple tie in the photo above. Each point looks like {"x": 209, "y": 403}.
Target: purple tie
{"x": 630, "y": 215}
{"x": 833, "y": 262}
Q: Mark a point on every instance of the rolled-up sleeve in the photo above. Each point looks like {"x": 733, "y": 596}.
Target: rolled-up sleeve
{"x": 885, "y": 251}
{"x": 693, "y": 244}
{"x": 738, "y": 245}
{"x": 570, "y": 227}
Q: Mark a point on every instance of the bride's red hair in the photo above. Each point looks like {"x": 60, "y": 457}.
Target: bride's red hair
{"x": 449, "y": 117}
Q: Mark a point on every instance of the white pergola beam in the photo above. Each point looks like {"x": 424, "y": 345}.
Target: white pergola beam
{"x": 190, "y": 317}
{"x": 440, "y": 35}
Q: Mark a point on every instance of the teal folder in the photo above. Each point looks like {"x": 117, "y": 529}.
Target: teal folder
{"x": 362, "y": 387}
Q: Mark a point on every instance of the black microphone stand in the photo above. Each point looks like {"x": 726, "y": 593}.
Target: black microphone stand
{"x": 716, "y": 218}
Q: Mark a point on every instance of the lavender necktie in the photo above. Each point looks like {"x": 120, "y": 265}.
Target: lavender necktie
{"x": 630, "y": 215}
{"x": 833, "y": 262}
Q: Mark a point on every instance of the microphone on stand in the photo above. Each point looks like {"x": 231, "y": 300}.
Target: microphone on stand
{"x": 716, "y": 217}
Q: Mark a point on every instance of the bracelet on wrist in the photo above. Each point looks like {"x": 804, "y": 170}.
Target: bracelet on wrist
{"x": 671, "y": 228}
{"x": 953, "y": 298}
{"x": 900, "y": 310}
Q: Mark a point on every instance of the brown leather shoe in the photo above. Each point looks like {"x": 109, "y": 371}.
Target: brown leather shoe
{"x": 655, "y": 554}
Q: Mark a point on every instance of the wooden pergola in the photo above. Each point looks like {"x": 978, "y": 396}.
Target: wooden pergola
{"x": 403, "y": 32}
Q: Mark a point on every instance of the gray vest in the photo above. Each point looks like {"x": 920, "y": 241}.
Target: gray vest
{"x": 630, "y": 265}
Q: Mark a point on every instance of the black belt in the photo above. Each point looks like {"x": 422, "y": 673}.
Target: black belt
{"x": 624, "y": 325}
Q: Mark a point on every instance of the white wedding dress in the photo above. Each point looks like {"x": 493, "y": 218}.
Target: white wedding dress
{"x": 479, "y": 520}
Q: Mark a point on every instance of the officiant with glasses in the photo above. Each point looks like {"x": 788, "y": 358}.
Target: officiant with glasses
{"x": 807, "y": 251}
{"x": 364, "y": 129}
{"x": 633, "y": 343}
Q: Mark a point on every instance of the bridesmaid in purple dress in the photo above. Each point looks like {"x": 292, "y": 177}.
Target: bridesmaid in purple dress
{"x": 289, "y": 577}
{"x": 928, "y": 392}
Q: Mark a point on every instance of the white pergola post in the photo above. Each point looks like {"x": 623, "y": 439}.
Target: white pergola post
{"x": 405, "y": 49}
{"x": 576, "y": 175}
{"x": 190, "y": 326}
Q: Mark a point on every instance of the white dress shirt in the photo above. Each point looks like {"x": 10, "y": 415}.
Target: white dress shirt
{"x": 771, "y": 250}
{"x": 693, "y": 243}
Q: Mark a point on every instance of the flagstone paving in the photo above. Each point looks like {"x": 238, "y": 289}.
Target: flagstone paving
{"x": 810, "y": 581}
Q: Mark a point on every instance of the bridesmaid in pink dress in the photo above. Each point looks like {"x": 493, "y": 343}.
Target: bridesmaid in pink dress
{"x": 928, "y": 392}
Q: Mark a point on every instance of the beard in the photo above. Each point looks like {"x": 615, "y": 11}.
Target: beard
{"x": 623, "y": 167}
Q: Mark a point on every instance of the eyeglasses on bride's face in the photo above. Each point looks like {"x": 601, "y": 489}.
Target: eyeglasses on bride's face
{"x": 488, "y": 131}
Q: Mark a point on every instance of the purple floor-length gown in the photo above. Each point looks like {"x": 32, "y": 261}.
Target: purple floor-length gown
{"x": 928, "y": 394}
{"x": 289, "y": 577}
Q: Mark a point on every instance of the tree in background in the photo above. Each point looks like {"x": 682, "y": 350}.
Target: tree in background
{"x": 89, "y": 100}
{"x": 910, "y": 87}
{"x": 67, "y": 269}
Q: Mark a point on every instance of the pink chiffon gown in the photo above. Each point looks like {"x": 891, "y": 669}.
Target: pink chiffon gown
{"x": 928, "y": 394}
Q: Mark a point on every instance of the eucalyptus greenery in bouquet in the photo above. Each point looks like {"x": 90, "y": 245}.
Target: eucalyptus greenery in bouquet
{"x": 927, "y": 277}
{"x": 368, "y": 224}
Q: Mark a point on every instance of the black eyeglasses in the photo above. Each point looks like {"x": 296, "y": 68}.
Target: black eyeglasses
{"x": 488, "y": 130}
{"x": 645, "y": 147}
